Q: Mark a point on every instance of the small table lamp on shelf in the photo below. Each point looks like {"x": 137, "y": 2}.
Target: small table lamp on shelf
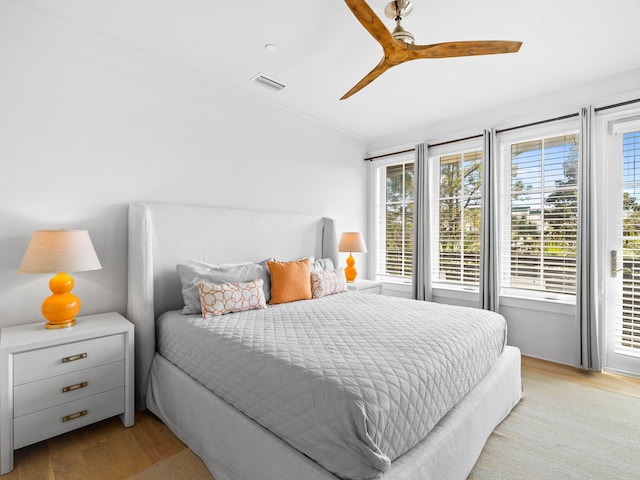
{"x": 60, "y": 251}
{"x": 351, "y": 242}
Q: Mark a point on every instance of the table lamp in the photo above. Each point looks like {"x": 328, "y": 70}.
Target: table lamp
{"x": 60, "y": 251}
{"x": 351, "y": 242}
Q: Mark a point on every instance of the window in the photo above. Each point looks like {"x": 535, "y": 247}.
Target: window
{"x": 619, "y": 232}
{"x": 456, "y": 176}
{"x": 630, "y": 321}
{"x": 540, "y": 193}
{"x": 457, "y": 185}
{"x": 394, "y": 219}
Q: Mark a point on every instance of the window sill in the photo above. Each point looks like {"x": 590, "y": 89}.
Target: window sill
{"x": 455, "y": 295}
{"x": 396, "y": 287}
{"x": 455, "y": 287}
{"x": 560, "y": 305}
{"x": 387, "y": 279}
{"x": 459, "y": 292}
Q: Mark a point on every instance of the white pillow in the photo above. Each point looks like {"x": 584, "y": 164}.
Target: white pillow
{"x": 193, "y": 274}
{"x": 322, "y": 264}
{"x": 198, "y": 263}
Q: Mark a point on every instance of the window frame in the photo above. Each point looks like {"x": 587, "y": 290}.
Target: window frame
{"x": 435, "y": 154}
{"x": 378, "y": 228}
{"x": 504, "y": 141}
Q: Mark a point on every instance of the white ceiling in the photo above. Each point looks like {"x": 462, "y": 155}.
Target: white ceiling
{"x": 323, "y": 51}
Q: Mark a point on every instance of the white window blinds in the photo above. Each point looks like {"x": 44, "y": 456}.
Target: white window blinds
{"x": 629, "y": 326}
{"x": 458, "y": 183}
{"x": 539, "y": 226}
{"x": 394, "y": 220}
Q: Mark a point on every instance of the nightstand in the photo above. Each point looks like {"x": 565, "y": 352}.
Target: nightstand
{"x": 54, "y": 381}
{"x": 365, "y": 286}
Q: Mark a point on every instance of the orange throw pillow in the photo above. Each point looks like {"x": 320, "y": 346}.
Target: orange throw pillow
{"x": 290, "y": 281}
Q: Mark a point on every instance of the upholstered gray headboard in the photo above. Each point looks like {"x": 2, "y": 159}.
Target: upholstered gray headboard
{"x": 162, "y": 235}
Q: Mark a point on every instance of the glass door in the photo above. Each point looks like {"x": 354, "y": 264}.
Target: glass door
{"x": 622, "y": 243}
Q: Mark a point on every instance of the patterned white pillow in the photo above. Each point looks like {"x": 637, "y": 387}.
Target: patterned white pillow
{"x": 327, "y": 282}
{"x": 218, "y": 299}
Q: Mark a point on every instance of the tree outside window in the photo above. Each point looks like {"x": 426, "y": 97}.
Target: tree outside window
{"x": 544, "y": 214}
{"x": 457, "y": 258}
{"x": 398, "y": 257}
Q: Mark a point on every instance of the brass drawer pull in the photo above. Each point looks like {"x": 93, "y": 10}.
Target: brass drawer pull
{"x": 71, "y": 388}
{"x": 73, "y": 416}
{"x": 72, "y": 358}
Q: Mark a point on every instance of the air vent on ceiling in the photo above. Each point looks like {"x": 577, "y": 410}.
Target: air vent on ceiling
{"x": 267, "y": 82}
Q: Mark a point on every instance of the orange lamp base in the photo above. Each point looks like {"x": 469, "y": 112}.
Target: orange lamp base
{"x": 350, "y": 271}
{"x": 62, "y": 307}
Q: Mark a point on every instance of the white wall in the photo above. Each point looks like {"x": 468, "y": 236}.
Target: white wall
{"x": 605, "y": 91}
{"x": 87, "y": 127}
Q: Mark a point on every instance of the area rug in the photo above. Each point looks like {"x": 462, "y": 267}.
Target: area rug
{"x": 564, "y": 430}
{"x": 561, "y": 430}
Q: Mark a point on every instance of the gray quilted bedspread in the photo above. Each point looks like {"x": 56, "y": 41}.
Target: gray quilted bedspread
{"x": 352, "y": 380}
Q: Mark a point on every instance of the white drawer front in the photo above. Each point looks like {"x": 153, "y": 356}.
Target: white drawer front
{"x": 70, "y": 357}
{"x": 46, "y": 393}
{"x": 53, "y": 421}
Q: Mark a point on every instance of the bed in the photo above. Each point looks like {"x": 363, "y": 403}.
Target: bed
{"x": 240, "y": 437}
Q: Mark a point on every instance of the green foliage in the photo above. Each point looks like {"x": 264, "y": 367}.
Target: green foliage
{"x": 630, "y": 226}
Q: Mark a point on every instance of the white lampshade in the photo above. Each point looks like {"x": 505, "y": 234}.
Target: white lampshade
{"x": 352, "y": 242}
{"x": 52, "y": 251}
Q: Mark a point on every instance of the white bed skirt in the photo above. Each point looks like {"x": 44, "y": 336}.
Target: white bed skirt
{"x": 234, "y": 447}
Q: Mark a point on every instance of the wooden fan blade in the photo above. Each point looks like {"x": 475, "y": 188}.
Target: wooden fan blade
{"x": 397, "y": 52}
{"x": 462, "y": 49}
{"x": 372, "y": 23}
{"x": 382, "y": 67}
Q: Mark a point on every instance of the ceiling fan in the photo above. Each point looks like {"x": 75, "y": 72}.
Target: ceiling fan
{"x": 398, "y": 45}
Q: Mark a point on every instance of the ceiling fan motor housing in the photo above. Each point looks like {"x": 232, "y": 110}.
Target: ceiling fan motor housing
{"x": 399, "y": 33}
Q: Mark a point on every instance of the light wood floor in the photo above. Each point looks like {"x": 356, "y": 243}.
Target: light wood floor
{"x": 107, "y": 450}
{"x": 606, "y": 381}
